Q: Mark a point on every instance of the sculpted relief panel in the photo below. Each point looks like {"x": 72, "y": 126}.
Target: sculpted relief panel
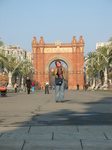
{"x": 58, "y": 50}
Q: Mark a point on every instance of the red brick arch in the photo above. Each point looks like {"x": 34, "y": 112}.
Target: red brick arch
{"x": 71, "y": 53}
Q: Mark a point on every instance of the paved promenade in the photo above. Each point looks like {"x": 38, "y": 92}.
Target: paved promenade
{"x": 36, "y": 122}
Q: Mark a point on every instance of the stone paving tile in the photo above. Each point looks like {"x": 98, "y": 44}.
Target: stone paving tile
{"x": 92, "y": 136}
{"x": 66, "y": 136}
{"x": 13, "y": 136}
{"x": 97, "y": 145}
{"x": 28, "y": 136}
{"x": 52, "y": 145}
{"x": 98, "y": 129}
{"x": 95, "y": 132}
{"x": 108, "y": 134}
{"x": 69, "y": 136}
{"x": 38, "y": 137}
{"x": 11, "y": 145}
{"x": 58, "y": 129}
{"x": 78, "y": 136}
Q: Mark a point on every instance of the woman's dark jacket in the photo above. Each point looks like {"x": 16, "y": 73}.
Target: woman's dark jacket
{"x": 28, "y": 83}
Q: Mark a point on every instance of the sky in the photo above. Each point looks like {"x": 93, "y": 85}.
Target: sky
{"x": 20, "y": 20}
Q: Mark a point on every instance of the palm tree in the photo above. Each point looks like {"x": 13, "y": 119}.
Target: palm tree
{"x": 26, "y": 69}
{"x": 110, "y": 39}
{"x": 15, "y": 67}
{"x": 105, "y": 60}
{"x": 9, "y": 67}
{"x": 1, "y": 43}
{"x": 92, "y": 66}
{"x": 99, "y": 63}
{"x": 11, "y": 63}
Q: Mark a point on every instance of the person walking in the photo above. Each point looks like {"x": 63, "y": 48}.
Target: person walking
{"x": 28, "y": 85}
{"x": 60, "y": 77}
{"x": 4, "y": 78}
{"x": 33, "y": 86}
{"x": 3, "y": 83}
{"x": 46, "y": 86}
{"x": 15, "y": 87}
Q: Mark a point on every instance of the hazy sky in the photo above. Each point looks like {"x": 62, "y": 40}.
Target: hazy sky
{"x": 20, "y": 20}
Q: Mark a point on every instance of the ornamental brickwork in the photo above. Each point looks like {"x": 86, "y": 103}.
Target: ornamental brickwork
{"x": 71, "y": 53}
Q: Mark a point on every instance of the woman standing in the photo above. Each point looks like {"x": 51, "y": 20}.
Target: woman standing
{"x": 60, "y": 77}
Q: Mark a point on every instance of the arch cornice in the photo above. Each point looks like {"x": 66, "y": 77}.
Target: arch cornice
{"x": 60, "y": 58}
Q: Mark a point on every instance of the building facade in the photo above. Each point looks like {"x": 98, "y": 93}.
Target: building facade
{"x": 101, "y": 44}
{"x": 29, "y": 57}
{"x": 15, "y": 51}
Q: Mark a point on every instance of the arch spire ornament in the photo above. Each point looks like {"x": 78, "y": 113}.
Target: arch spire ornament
{"x": 58, "y": 44}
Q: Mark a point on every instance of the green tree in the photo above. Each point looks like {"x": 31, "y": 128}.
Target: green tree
{"x": 110, "y": 39}
{"x": 97, "y": 62}
{"x": 3, "y": 61}
{"x": 1, "y": 43}
{"x": 10, "y": 64}
{"x": 91, "y": 65}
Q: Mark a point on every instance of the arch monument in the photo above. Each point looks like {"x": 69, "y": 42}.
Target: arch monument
{"x": 71, "y": 53}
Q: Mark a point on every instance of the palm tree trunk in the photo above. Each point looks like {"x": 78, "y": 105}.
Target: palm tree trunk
{"x": 106, "y": 78}
{"x": 22, "y": 83}
{"x": 94, "y": 83}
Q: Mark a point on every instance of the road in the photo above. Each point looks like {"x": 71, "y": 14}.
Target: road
{"x": 36, "y": 121}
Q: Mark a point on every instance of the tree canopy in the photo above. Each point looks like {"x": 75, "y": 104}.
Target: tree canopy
{"x": 1, "y": 43}
{"x": 96, "y": 61}
{"x": 110, "y": 39}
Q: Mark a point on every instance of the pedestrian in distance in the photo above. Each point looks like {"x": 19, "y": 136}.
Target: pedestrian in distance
{"x": 60, "y": 77}
{"x": 3, "y": 83}
{"x": 46, "y": 86}
{"x": 28, "y": 85}
{"x": 4, "y": 78}
{"x": 15, "y": 87}
{"x": 33, "y": 85}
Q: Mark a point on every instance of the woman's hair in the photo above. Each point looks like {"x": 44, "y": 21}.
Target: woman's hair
{"x": 57, "y": 61}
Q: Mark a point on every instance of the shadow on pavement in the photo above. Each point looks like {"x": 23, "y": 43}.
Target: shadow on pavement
{"x": 97, "y": 113}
